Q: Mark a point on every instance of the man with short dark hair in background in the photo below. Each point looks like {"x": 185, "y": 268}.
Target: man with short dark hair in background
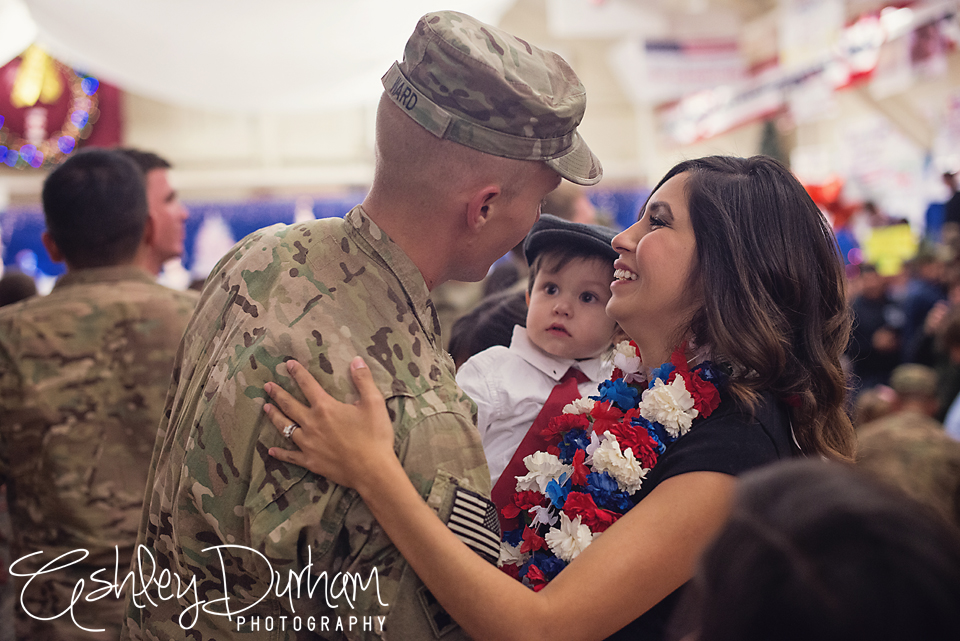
{"x": 83, "y": 376}
{"x": 164, "y": 240}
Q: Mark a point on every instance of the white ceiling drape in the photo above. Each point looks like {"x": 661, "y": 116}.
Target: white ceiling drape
{"x": 251, "y": 56}
{"x": 17, "y": 29}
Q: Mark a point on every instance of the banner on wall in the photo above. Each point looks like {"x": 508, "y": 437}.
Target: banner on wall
{"x": 48, "y": 110}
{"x": 665, "y": 70}
{"x": 807, "y": 28}
{"x": 922, "y": 35}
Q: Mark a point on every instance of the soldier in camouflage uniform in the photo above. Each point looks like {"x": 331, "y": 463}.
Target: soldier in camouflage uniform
{"x": 475, "y": 127}
{"x": 909, "y": 449}
{"x": 83, "y": 377}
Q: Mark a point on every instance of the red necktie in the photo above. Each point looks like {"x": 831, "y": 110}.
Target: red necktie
{"x": 563, "y": 393}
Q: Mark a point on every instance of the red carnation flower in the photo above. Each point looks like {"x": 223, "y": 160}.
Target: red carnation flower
{"x": 580, "y": 470}
{"x": 604, "y": 415}
{"x": 706, "y": 398}
{"x": 535, "y": 578}
{"x": 554, "y": 430}
{"x": 679, "y": 359}
{"x": 532, "y": 541}
{"x": 510, "y": 512}
{"x": 605, "y": 411}
{"x": 582, "y": 505}
{"x": 637, "y": 439}
{"x": 528, "y": 499}
{"x": 523, "y": 501}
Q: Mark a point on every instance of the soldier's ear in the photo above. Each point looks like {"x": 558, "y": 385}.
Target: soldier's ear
{"x": 480, "y": 204}
{"x": 149, "y": 232}
{"x": 51, "y": 246}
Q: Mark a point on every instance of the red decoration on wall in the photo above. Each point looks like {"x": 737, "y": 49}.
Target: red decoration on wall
{"x": 108, "y": 130}
{"x": 72, "y": 111}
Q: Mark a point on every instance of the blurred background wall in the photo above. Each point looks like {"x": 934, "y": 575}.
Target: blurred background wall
{"x": 266, "y": 109}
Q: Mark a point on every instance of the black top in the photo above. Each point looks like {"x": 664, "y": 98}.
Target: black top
{"x": 951, "y": 209}
{"x": 730, "y": 441}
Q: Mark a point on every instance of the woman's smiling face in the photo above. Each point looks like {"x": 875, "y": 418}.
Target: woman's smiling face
{"x": 651, "y": 296}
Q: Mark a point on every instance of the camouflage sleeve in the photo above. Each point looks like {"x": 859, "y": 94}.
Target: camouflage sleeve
{"x": 9, "y": 392}
{"x": 441, "y": 455}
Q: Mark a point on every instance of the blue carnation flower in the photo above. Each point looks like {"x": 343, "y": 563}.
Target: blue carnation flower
{"x": 551, "y": 565}
{"x": 655, "y": 434}
{"x": 601, "y": 481}
{"x": 573, "y": 440}
{"x": 660, "y": 434}
{"x": 606, "y": 493}
{"x": 663, "y": 372}
{"x": 548, "y": 564}
{"x": 620, "y": 394}
{"x": 557, "y": 492}
{"x": 710, "y": 373}
{"x": 514, "y": 537}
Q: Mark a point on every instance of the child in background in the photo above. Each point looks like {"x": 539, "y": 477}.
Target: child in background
{"x": 490, "y": 323}
{"x": 571, "y": 268}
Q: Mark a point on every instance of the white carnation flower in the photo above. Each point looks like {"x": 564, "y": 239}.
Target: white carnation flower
{"x": 624, "y": 348}
{"x": 625, "y": 359}
{"x": 670, "y": 405}
{"x": 570, "y": 539}
{"x": 626, "y": 364}
{"x": 580, "y": 406}
{"x": 623, "y": 467}
{"x": 510, "y": 554}
{"x": 543, "y": 468}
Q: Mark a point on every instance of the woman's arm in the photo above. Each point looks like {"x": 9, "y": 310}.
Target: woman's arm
{"x": 637, "y": 562}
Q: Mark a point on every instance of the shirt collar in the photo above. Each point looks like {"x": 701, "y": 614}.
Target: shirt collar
{"x": 550, "y": 365}
{"x": 367, "y": 234}
{"x": 112, "y": 274}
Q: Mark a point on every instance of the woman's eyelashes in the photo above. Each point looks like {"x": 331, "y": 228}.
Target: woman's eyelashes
{"x": 656, "y": 221}
{"x": 653, "y": 220}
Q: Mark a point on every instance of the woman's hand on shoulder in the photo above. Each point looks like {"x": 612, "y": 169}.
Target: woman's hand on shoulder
{"x": 339, "y": 441}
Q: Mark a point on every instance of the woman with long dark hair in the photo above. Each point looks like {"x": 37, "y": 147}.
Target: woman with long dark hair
{"x": 731, "y": 280}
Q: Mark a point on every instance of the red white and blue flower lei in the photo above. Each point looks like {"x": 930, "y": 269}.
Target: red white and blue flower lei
{"x": 601, "y": 449}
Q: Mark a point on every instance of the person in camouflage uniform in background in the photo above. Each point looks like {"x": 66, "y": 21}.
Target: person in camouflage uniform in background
{"x": 475, "y": 127}
{"x": 909, "y": 449}
{"x": 83, "y": 376}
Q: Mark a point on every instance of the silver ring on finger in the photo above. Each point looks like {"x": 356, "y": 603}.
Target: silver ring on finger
{"x": 288, "y": 430}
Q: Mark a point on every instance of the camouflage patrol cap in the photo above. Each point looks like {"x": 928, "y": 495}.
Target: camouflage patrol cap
{"x": 481, "y": 87}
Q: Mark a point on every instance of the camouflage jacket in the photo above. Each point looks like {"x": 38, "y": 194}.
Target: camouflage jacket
{"x": 321, "y": 292}
{"x": 83, "y": 377}
{"x": 911, "y": 451}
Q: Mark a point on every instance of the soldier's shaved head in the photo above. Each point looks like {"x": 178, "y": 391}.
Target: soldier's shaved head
{"x": 412, "y": 161}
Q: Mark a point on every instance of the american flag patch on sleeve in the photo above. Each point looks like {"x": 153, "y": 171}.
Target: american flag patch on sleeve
{"x": 474, "y": 521}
